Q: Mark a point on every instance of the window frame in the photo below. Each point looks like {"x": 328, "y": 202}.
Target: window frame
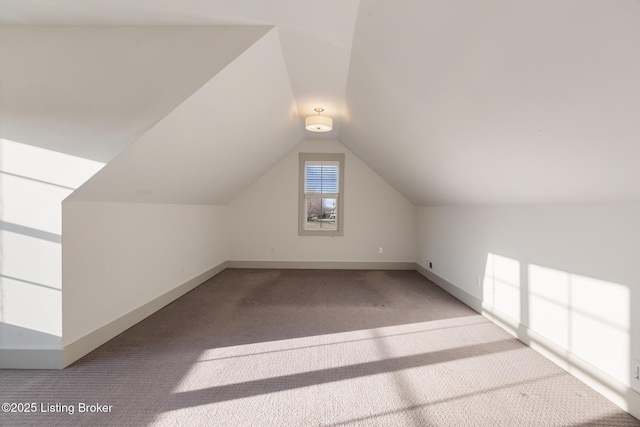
{"x": 320, "y": 157}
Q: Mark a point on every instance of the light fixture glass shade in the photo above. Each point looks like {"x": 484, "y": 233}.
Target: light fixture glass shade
{"x": 318, "y": 123}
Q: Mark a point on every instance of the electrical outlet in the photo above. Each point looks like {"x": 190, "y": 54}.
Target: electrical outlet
{"x": 380, "y": 250}
{"x": 429, "y": 264}
{"x": 273, "y": 249}
{"x": 635, "y": 375}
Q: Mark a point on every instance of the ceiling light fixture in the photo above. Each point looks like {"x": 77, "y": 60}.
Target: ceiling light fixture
{"x": 318, "y": 123}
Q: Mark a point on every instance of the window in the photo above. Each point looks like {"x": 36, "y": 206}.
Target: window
{"x": 321, "y": 195}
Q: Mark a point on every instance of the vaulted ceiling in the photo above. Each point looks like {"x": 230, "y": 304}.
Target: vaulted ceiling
{"x": 452, "y": 102}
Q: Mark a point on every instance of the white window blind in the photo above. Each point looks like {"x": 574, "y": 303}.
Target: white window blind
{"x": 322, "y": 178}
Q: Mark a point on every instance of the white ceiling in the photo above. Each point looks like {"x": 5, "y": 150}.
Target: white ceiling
{"x": 500, "y": 101}
{"x": 93, "y": 91}
{"x": 315, "y": 35}
{"x": 452, "y": 102}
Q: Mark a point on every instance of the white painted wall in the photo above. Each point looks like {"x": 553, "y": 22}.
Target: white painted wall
{"x": 566, "y": 277}
{"x": 119, "y": 256}
{"x": 33, "y": 183}
{"x": 266, "y": 215}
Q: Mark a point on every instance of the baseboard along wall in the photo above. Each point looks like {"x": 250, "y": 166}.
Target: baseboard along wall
{"x": 619, "y": 393}
{"x": 323, "y": 265}
{"x": 30, "y": 358}
{"x": 90, "y": 342}
{"x": 611, "y": 388}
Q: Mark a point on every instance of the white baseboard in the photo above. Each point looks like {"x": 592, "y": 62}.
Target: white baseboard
{"x": 323, "y": 265}
{"x": 60, "y": 358}
{"x": 619, "y": 393}
{"x": 611, "y": 388}
{"x": 95, "y": 339}
{"x": 460, "y": 294}
{"x": 30, "y": 358}
{"x": 614, "y": 390}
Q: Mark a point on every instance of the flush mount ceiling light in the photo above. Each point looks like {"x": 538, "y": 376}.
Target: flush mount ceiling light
{"x": 318, "y": 123}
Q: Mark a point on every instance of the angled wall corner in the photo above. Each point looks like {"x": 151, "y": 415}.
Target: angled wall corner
{"x": 36, "y": 260}
{"x": 215, "y": 143}
{"x": 160, "y": 204}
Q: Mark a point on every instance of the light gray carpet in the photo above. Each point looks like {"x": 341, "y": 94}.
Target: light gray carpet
{"x": 313, "y": 348}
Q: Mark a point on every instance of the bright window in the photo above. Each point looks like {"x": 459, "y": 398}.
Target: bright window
{"x": 321, "y": 194}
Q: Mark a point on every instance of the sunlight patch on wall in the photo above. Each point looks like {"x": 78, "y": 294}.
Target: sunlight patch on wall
{"x": 33, "y": 183}
{"x": 549, "y": 304}
{"x": 31, "y": 283}
{"x": 587, "y": 316}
